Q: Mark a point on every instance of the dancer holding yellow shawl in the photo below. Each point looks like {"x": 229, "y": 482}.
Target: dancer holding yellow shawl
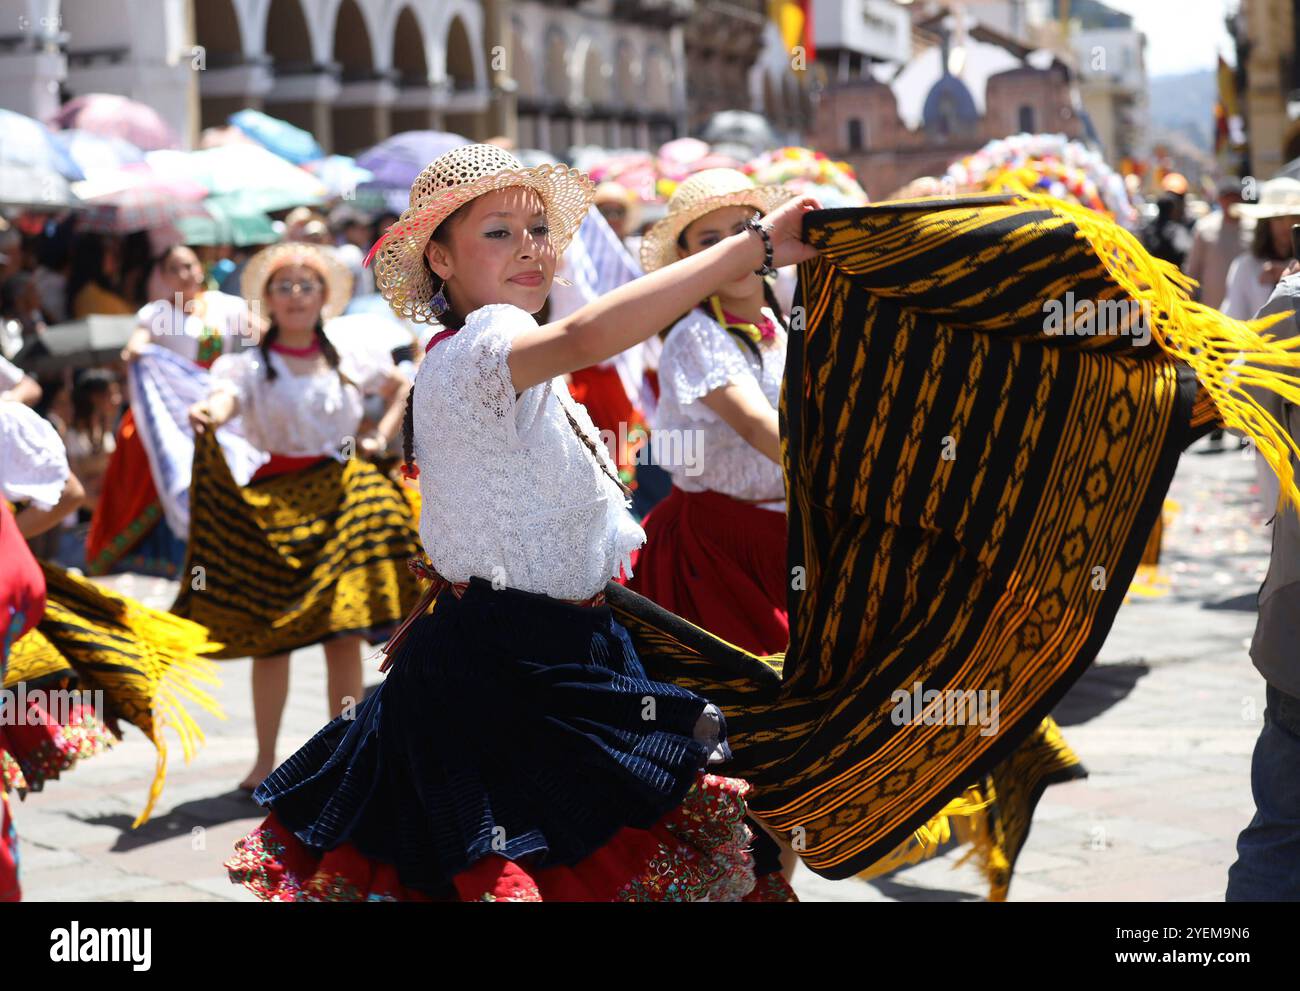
{"x": 314, "y": 548}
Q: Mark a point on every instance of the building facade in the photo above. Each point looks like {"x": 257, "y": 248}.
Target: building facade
{"x": 1268, "y": 76}
{"x": 962, "y": 85}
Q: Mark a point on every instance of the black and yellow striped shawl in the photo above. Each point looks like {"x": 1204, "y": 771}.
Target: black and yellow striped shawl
{"x": 969, "y": 496}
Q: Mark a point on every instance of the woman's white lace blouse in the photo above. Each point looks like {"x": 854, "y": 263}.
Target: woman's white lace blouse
{"x": 33, "y": 462}
{"x": 509, "y": 493}
{"x": 309, "y": 415}
{"x": 695, "y": 445}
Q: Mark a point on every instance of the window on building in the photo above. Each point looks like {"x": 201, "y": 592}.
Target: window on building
{"x": 1025, "y": 119}
{"x": 855, "y": 134}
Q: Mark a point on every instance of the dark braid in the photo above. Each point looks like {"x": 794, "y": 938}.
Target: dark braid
{"x": 591, "y": 446}
{"x": 268, "y": 339}
{"x": 408, "y": 428}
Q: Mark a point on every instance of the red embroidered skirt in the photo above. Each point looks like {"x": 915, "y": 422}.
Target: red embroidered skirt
{"x": 719, "y": 563}
{"x": 698, "y": 852}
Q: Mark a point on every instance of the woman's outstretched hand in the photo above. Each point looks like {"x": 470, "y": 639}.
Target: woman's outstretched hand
{"x": 786, "y": 226}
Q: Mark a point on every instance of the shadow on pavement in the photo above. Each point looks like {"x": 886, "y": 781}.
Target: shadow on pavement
{"x": 1100, "y": 688}
{"x": 184, "y": 818}
{"x": 1237, "y": 603}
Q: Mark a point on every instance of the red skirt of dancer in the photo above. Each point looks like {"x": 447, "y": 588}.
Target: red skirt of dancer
{"x": 720, "y": 563}
{"x": 128, "y": 507}
{"x": 695, "y": 853}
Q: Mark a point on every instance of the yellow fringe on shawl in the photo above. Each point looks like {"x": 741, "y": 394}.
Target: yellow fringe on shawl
{"x": 146, "y": 662}
{"x": 1227, "y": 355}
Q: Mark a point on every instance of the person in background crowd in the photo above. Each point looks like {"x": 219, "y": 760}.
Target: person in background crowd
{"x": 351, "y": 229}
{"x": 1255, "y": 272}
{"x": 382, "y": 223}
{"x": 137, "y": 263}
{"x": 129, "y": 530}
{"x": 11, "y": 251}
{"x": 715, "y": 551}
{"x": 96, "y": 403}
{"x": 94, "y": 284}
{"x": 1268, "y": 849}
{"x": 1167, "y": 235}
{"x": 1217, "y": 239}
{"x": 24, "y": 319}
{"x": 313, "y": 549}
{"x": 53, "y": 258}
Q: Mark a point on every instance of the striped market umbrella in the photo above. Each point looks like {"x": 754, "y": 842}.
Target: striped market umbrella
{"x": 136, "y": 198}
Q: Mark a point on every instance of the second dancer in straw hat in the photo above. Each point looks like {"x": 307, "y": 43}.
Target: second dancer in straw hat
{"x": 314, "y": 548}
{"x": 517, "y": 749}
{"x": 715, "y": 549}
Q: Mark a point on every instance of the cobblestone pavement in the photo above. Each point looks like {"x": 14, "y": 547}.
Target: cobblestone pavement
{"x": 1164, "y": 721}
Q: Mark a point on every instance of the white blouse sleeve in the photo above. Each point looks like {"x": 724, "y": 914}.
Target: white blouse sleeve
{"x": 698, "y": 358}
{"x": 33, "y": 462}
{"x": 473, "y": 375}
{"x": 230, "y": 374}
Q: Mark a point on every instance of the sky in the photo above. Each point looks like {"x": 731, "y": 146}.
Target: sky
{"x": 1182, "y": 35}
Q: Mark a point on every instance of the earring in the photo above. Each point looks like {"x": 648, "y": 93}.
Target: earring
{"x": 439, "y": 304}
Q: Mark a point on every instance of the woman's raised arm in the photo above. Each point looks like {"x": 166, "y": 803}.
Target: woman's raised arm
{"x": 635, "y": 311}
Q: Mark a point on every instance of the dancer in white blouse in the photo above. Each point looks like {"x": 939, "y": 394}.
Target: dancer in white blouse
{"x": 716, "y": 547}
{"x": 517, "y": 749}
{"x": 313, "y": 550}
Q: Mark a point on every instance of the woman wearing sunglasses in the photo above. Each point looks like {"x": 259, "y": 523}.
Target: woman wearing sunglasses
{"x": 313, "y": 549}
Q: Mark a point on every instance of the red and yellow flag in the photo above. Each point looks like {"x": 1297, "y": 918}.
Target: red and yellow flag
{"x": 794, "y": 19}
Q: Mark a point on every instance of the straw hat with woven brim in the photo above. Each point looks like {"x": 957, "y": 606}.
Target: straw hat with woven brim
{"x": 445, "y": 185}
{"x": 1277, "y": 198}
{"x": 704, "y": 192}
{"x": 322, "y": 261}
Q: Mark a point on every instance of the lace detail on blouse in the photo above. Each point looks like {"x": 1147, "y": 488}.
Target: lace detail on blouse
{"x": 302, "y": 415}
{"x": 508, "y": 492}
{"x": 700, "y": 357}
{"x": 33, "y": 462}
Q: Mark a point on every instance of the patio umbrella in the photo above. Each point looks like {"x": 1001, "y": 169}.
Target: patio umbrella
{"x": 261, "y": 181}
{"x": 396, "y": 161}
{"x": 224, "y": 223}
{"x": 340, "y": 174}
{"x": 92, "y": 153}
{"x": 278, "y": 136}
{"x": 27, "y": 143}
{"x": 114, "y": 116}
{"x": 34, "y": 188}
{"x": 135, "y": 198}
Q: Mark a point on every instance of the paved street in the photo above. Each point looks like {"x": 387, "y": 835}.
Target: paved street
{"x": 1165, "y": 723}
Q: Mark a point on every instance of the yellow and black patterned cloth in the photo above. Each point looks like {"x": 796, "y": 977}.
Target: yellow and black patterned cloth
{"x": 296, "y": 558}
{"x": 149, "y": 664}
{"x": 970, "y": 492}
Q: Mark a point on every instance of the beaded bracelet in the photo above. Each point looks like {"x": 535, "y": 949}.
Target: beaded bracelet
{"x": 753, "y": 224}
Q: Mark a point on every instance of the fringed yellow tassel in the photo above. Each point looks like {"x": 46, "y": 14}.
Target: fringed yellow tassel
{"x": 169, "y": 712}
{"x": 986, "y": 847}
{"x": 927, "y": 841}
{"x": 1227, "y": 355}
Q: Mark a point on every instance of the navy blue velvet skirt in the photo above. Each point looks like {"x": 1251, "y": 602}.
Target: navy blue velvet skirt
{"x": 509, "y": 723}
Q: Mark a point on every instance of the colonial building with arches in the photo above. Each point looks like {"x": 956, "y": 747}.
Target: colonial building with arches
{"x": 550, "y": 74}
